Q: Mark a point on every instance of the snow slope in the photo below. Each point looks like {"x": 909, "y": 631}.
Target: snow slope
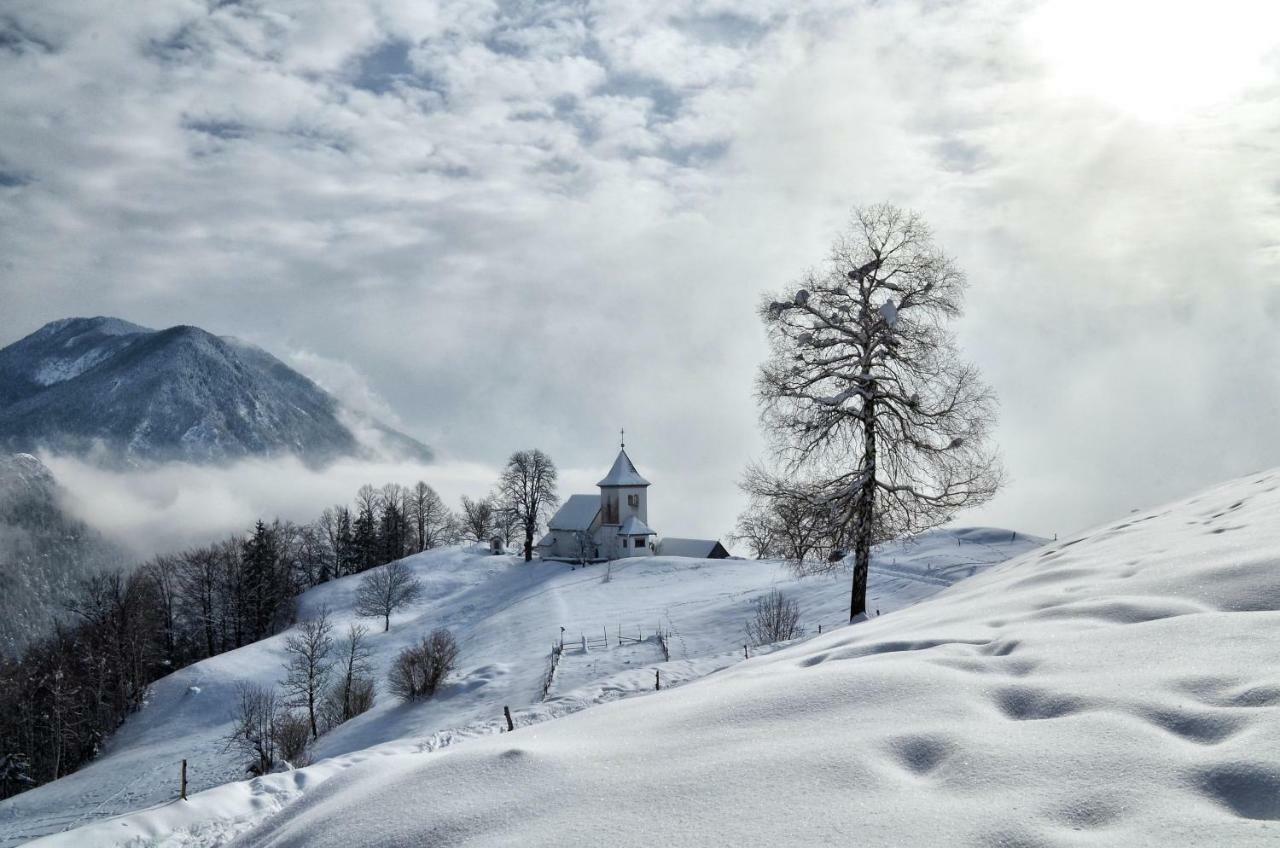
{"x": 506, "y": 614}
{"x": 1121, "y": 688}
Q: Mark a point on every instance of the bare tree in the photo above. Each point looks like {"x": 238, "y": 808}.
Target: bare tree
{"x": 352, "y": 692}
{"x": 476, "y": 519}
{"x": 757, "y": 529}
{"x": 585, "y": 543}
{"x": 309, "y": 666}
{"x": 871, "y": 413}
{"x": 528, "y": 486}
{"x": 506, "y": 518}
{"x": 429, "y": 517}
{"x": 384, "y": 590}
{"x": 777, "y": 619}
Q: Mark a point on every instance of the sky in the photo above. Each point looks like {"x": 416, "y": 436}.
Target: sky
{"x": 501, "y": 225}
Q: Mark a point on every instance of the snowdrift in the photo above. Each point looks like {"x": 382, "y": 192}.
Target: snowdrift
{"x": 1120, "y": 688}
{"x": 506, "y": 614}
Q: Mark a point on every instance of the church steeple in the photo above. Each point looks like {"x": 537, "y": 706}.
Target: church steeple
{"x": 623, "y": 472}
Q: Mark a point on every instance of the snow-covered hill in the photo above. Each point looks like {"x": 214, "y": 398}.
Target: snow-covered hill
{"x": 122, "y": 392}
{"x": 1121, "y": 688}
{"x": 506, "y": 614}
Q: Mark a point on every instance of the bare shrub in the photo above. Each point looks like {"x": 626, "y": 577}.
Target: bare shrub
{"x": 292, "y": 736}
{"x": 777, "y": 619}
{"x": 420, "y": 669}
{"x": 254, "y": 734}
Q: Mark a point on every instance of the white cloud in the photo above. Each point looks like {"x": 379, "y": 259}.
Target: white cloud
{"x": 532, "y": 225}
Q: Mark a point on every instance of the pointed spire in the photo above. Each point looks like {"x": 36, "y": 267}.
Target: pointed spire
{"x": 623, "y": 473}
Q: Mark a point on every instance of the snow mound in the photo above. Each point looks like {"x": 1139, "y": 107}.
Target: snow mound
{"x": 1120, "y": 688}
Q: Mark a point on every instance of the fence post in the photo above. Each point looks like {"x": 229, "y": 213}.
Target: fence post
{"x": 657, "y": 680}
{"x": 745, "y": 655}
{"x": 183, "y": 790}
{"x": 819, "y": 629}
{"x": 511, "y": 725}
{"x": 605, "y": 631}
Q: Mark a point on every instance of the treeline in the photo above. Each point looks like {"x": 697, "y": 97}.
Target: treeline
{"x": 68, "y": 691}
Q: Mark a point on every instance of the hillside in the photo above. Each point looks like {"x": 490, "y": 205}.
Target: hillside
{"x": 44, "y": 552}
{"x": 506, "y": 614}
{"x": 122, "y": 393}
{"x": 1120, "y": 688}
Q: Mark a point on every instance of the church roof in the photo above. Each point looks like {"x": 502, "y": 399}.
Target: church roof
{"x": 696, "y": 548}
{"x": 577, "y": 513}
{"x": 633, "y": 526}
{"x": 623, "y": 473}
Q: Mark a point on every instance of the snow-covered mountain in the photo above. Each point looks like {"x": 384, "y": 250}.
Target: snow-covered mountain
{"x": 124, "y": 393}
{"x": 506, "y": 614}
{"x": 44, "y": 552}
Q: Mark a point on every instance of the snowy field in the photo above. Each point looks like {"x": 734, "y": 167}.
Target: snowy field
{"x": 1121, "y": 688}
{"x": 506, "y": 614}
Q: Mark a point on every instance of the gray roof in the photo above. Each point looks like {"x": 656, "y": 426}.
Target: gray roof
{"x": 633, "y": 526}
{"x": 546, "y": 541}
{"x": 698, "y": 548}
{"x": 577, "y": 513}
{"x": 623, "y": 473}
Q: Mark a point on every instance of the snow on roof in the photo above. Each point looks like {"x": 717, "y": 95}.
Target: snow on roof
{"x": 699, "y": 548}
{"x": 623, "y": 473}
{"x": 577, "y": 513}
{"x": 633, "y": 526}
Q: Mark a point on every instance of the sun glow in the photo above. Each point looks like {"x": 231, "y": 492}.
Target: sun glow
{"x": 1160, "y": 60}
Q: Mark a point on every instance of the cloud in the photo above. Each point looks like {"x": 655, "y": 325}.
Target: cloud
{"x": 529, "y": 225}
{"x": 175, "y": 505}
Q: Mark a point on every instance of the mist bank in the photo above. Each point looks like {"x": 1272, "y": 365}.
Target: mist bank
{"x": 164, "y": 507}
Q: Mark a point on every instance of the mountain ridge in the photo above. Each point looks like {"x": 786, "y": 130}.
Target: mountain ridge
{"x": 122, "y": 393}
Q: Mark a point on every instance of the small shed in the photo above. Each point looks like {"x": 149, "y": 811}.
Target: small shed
{"x": 695, "y": 548}
{"x": 497, "y": 545}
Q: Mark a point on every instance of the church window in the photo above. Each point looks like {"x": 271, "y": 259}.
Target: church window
{"x": 639, "y": 542}
{"x": 633, "y": 500}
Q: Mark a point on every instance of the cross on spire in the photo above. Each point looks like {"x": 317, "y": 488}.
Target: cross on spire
{"x": 622, "y": 434}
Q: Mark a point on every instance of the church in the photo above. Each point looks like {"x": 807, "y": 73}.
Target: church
{"x": 612, "y": 524}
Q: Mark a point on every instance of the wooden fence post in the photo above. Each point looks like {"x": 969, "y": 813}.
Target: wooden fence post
{"x": 745, "y": 655}
{"x": 819, "y": 629}
{"x": 183, "y": 790}
{"x": 510, "y": 724}
{"x": 657, "y": 679}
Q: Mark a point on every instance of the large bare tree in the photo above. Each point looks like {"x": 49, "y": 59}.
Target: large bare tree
{"x": 428, "y": 516}
{"x": 874, "y": 419}
{"x": 384, "y": 590}
{"x": 528, "y": 488}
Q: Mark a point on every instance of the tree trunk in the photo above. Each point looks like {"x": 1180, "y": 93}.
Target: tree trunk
{"x": 864, "y": 519}
{"x": 386, "y": 621}
{"x": 528, "y": 546}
